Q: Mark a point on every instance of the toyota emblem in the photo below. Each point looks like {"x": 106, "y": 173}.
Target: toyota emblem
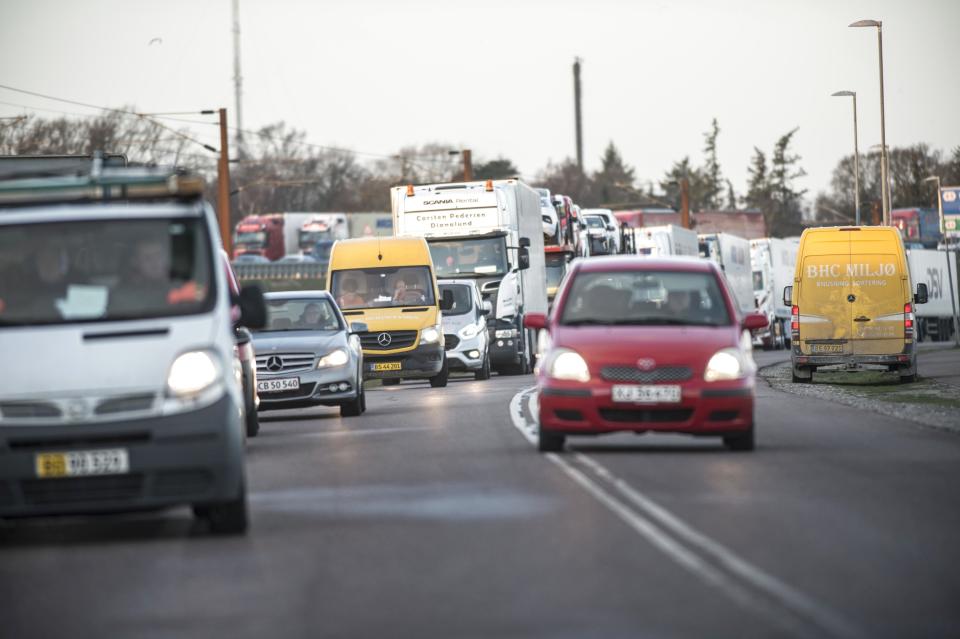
{"x": 384, "y": 339}
{"x": 646, "y": 364}
{"x": 274, "y": 363}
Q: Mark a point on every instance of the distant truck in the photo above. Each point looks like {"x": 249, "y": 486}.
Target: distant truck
{"x": 664, "y": 240}
{"x": 323, "y": 229}
{"x": 732, "y": 253}
{"x": 919, "y": 227}
{"x": 935, "y": 319}
{"x": 272, "y": 236}
{"x": 490, "y": 231}
{"x": 773, "y": 261}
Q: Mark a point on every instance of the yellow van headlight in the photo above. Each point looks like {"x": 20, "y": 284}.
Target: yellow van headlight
{"x": 726, "y": 364}
{"x": 430, "y": 335}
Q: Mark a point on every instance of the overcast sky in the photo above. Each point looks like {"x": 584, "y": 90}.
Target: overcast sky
{"x": 496, "y": 76}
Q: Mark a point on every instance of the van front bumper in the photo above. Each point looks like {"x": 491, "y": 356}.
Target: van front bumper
{"x": 422, "y": 361}
{"x": 189, "y": 458}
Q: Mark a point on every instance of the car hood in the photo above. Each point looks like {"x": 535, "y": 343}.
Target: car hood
{"x": 318, "y": 342}
{"x": 691, "y": 346}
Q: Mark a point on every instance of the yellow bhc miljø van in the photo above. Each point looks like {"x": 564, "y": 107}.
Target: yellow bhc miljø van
{"x": 852, "y": 301}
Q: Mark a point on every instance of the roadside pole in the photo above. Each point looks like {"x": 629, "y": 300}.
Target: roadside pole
{"x": 467, "y": 165}
{"x": 953, "y": 296}
{"x": 223, "y": 187}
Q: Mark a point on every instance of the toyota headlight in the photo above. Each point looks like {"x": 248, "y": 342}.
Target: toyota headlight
{"x": 567, "y": 364}
{"x": 725, "y": 364}
{"x": 469, "y": 331}
{"x": 430, "y": 335}
{"x": 192, "y": 373}
{"x": 333, "y": 359}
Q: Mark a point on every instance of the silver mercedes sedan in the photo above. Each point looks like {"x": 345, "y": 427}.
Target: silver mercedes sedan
{"x": 307, "y": 354}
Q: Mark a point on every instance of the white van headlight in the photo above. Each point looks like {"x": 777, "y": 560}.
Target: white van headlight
{"x": 192, "y": 373}
{"x": 567, "y": 364}
{"x": 430, "y": 335}
{"x": 335, "y": 358}
{"x": 469, "y": 331}
{"x": 725, "y": 364}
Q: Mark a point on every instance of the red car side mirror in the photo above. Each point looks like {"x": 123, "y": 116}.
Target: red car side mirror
{"x": 535, "y": 320}
{"x": 755, "y": 321}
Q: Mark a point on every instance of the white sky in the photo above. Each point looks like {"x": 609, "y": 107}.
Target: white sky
{"x": 495, "y": 76}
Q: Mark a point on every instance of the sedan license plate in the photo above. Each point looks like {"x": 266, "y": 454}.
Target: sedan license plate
{"x": 666, "y": 394}
{"x": 278, "y": 385}
{"x": 388, "y": 366}
{"x": 111, "y": 461}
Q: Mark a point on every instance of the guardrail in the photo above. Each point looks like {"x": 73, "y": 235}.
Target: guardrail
{"x": 283, "y": 276}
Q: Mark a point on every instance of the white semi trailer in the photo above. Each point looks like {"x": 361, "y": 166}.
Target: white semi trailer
{"x": 732, "y": 253}
{"x": 665, "y": 240}
{"x": 772, "y": 262}
{"x": 935, "y": 319}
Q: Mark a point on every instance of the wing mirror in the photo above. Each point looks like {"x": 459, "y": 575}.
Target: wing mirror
{"x": 525, "y": 241}
{"x": 446, "y": 300}
{"x": 788, "y": 296}
{"x": 535, "y": 320}
{"x": 253, "y": 309}
{"x": 755, "y": 321}
{"x": 921, "y": 296}
{"x": 358, "y": 327}
{"x": 486, "y": 308}
{"x": 523, "y": 257}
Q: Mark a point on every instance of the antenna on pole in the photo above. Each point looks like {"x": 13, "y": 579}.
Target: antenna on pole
{"x": 237, "y": 78}
{"x": 577, "y": 113}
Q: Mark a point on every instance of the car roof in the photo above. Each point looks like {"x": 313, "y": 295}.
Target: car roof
{"x": 609, "y": 263}
{"x": 297, "y": 295}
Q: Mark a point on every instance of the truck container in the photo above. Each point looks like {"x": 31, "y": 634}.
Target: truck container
{"x": 664, "y": 240}
{"x": 935, "y": 319}
{"x": 732, "y": 253}
{"x": 773, "y": 261}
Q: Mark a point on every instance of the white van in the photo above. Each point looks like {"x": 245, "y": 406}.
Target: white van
{"x": 119, "y": 388}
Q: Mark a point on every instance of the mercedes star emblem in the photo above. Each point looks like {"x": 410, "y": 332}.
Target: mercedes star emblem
{"x": 274, "y": 363}
{"x": 384, "y": 339}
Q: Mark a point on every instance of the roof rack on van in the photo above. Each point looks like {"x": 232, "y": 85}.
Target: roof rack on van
{"x": 103, "y": 183}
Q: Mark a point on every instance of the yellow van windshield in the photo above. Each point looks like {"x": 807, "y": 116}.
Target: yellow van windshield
{"x": 383, "y": 287}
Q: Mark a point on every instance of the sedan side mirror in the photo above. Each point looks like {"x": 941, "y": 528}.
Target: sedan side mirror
{"x": 535, "y": 320}
{"x": 788, "y": 296}
{"x": 486, "y": 308}
{"x": 755, "y": 321}
{"x": 253, "y": 309}
{"x": 358, "y": 327}
{"x": 921, "y": 296}
{"x": 446, "y": 300}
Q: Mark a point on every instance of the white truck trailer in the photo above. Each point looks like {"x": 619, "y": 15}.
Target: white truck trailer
{"x": 773, "y": 261}
{"x": 491, "y": 231}
{"x": 669, "y": 239}
{"x": 935, "y": 319}
{"x": 732, "y": 253}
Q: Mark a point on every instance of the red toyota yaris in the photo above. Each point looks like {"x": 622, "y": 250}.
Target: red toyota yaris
{"x": 646, "y": 344}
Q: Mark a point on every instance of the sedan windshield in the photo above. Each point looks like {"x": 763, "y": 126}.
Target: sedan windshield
{"x": 381, "y": 287}
{"x": 645, "y": 298}
{"x": 99, "y": 271}
{"x": 302, "y": 314}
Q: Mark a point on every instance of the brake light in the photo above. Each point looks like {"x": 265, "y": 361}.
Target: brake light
{"x": 908, "y": 319}
{"x": 795, "y": 319}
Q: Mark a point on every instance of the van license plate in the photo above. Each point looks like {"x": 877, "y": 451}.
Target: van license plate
{"x": 111, "y": 461}
{"x": 826, "y": 348}
{"x": 388, "y": 366}
{"x": 666, "y": 394}
{"x": 278, "y": 385}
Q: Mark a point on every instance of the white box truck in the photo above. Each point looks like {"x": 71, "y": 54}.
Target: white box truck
{"x": 732, "y": 253}
{"x": 773, "y": 261}
{"x": 665, "y": 240}
{"x": 935, "y": 319}
{"x": 490, "y": 231}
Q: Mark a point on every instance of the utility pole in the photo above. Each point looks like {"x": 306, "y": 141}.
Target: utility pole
{"x": 467, "y": 165}
{"x": 577, "y": 113}
{"x": 685, "y": 203}
{"x": 237, "y": 78}
{"x": 223, "y": 187}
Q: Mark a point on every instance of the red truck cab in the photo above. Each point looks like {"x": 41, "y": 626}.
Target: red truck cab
{"x": 259, "y": 235}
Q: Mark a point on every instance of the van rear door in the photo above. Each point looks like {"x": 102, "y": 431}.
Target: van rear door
{"x": 877, "y": 284}
{"x": 825, "y": 312}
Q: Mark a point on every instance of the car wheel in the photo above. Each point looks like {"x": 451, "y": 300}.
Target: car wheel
{"x": 440, "y": 379}
{"x": 908, "y": 375}
{"x": 363, "y": 397}
{"x": 741, "y": 442}
{"x": 550, "y": 442}
{"x": 352, "y": 408}
{"x": 805, "y": 375}
{"x": 226, "y": 518}
{"x": 391, "y": 381}
{"x": 484, "y": 372}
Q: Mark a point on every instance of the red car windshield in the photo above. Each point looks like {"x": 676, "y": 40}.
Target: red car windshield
{"x": 666, "y": 298}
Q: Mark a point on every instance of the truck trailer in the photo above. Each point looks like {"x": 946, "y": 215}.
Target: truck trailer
{"x": 773, "y": 261}
{"x": 935, "y": 319}
{"x": 732, "y": 253}
{"x": 664, "y": 240}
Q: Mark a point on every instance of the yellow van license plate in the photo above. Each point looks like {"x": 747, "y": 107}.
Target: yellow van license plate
{"x": 113, "y": 461}
{"x": 388, "y": 366}
{"x": 826, "y": 348}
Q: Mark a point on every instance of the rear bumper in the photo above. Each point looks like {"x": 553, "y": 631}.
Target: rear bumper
{"x": 904, "y": 358}
{"x": 423, "y": 361}
{"x": 188, "y": 458}
{"x": 590, "y": 410}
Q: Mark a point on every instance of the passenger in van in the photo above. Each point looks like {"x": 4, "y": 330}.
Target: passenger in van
{"x": 149, "y": 283}
{"x": 35, "y": 296}
{"x": 350, "y": 297}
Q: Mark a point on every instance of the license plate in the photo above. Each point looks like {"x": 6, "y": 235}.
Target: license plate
{"x": 112, "y": 461}
{"x": 666, "y": 394}
{"x": 388, "y": 366}
{"x": 277, "y": 385}
{"x": 826, "y": 348}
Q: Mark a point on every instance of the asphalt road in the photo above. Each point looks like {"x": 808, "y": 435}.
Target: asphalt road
{"x": 433, "y": 516}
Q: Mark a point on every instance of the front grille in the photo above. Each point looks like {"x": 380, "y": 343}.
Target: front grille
{"x": 398, "y": 339}
{"x": 288, "y": 363}
{"x": 103, "y": 440}
{"x": 79, "y": 490}
{"x": 632, "y": 374}
{"x": 569, "y": 414}
{"x": 124, "y": 404}
{"x": 723, "y": 415}
{"x": 640, "y": 415}
{"x": 182, "y": 482}
{"x": 451, "y": 342}
{"x": 305, "y": 390}
{"x": 29, "y": 409}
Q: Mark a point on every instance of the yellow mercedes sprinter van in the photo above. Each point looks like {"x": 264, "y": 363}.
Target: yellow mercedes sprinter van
{"x": 852, "y": 301}
{"x": 389, "y": 285}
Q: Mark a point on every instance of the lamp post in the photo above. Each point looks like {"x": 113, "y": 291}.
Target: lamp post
{"x": 856, "y": 152}
{"x": 884, "y": 166}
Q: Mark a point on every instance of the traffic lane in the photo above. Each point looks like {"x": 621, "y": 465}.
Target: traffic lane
{"x": 852, "y": 508}
{"x": 457, "y": 528}
{"x": 940, "y": 360}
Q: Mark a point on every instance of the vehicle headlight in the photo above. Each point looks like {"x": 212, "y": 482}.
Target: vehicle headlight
{"x": 430, "y": 335}
{"x": 192, "y": 373}
{"x": 468, "y": 331}
{"x": 505, "y": 333}
{"x": 332, "y": 359}
{"x": 724, "y": 365}
{"x": 567, "y": 364}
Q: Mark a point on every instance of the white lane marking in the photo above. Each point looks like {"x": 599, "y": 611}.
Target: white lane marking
{"x": 804, "y": 612}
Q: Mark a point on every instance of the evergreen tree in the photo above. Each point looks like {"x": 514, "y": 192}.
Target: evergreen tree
{"x": 498, "y": 169}
{"x": 698, "y": 188}
{"x": 712, "y": 177}
{"x": 613, "y": 183}
{"x": 758, "y": 182}
{"x": 784, "y": 218}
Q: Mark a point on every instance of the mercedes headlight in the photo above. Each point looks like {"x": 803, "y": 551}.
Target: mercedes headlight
{"x": 430, "y": 335}
{"x": 567, "y": 364}
{"x": 725, "y": 364}
{"x": 192, "y": 373}
{"x": 339, "y": 357}
{"x": 469, "y": 331}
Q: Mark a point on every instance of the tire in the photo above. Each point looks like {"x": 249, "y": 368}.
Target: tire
{"x": 226, "y": 518}
{"x": 391, "y": 381}
{"x": 253, "y": 422}
{"x": 484, "y": 372}
{"x": 354, "y": 407}
{"x": 802, "y": 379}
{"x": 550, "y": 442}
{"x": 440, "y": 379}
{"x": 744, "y": 442}
{"x": 363, "y": 397}
{"x": 909, "y": 375}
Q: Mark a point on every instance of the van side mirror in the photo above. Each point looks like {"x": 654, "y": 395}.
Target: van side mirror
{"x": 788, "y": 296}
{"x": 358, "y": 327}
{"x": 525, "y": 241}
{"x": 535, "y": 320}
{"x": 253, "y": 309}
{"x": 486, "y": 308}
{"x": 446, "y": 300}
{"x": 921, "y": 296}
{"x": 523, "y": 258}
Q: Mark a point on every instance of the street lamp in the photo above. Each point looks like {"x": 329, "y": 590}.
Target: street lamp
{"x": 884, "y": 166}
{"x": 856, "y": 152}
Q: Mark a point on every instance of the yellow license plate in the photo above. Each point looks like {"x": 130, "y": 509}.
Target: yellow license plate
{"x": 111, "y": 461}
{"x": 387, "y": 366}
{"x": 826, "y": 348}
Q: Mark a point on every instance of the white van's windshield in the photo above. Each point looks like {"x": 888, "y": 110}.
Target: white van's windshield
{"x": 104, "y": 270}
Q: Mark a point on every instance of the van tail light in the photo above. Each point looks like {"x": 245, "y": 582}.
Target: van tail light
{"x": 908, "y": 320}
{"x": 795, "y": 322}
